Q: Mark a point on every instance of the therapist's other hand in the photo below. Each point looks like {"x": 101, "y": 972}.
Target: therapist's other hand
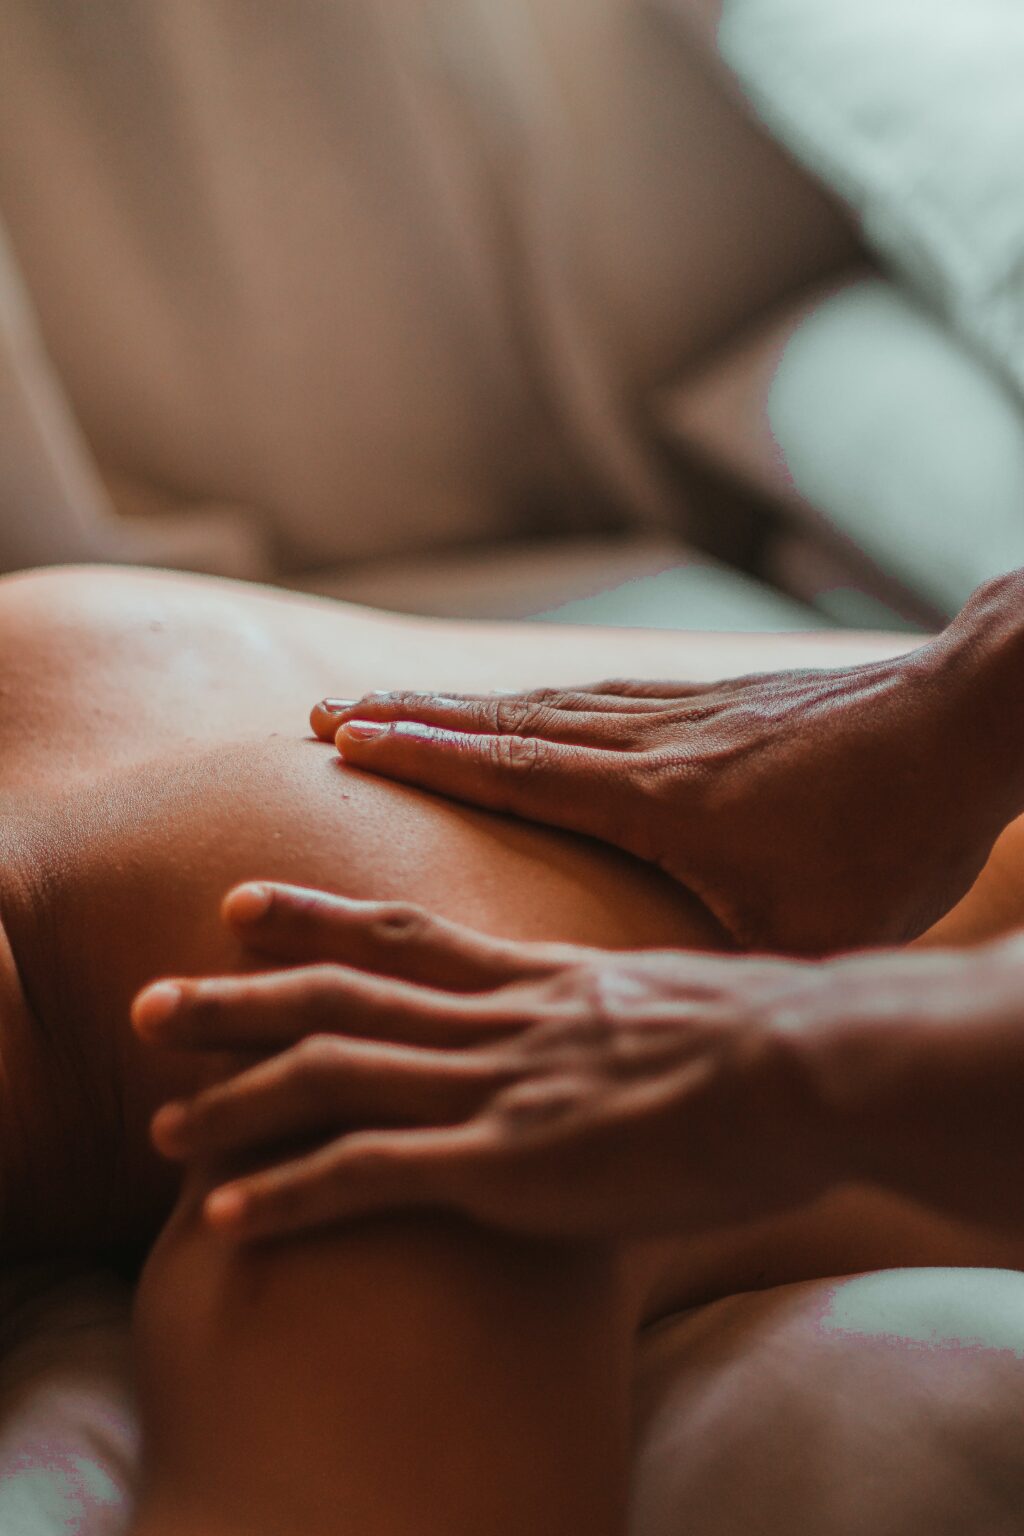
{"x": 811, "y": 811}
{"x": 550, "y": 1090}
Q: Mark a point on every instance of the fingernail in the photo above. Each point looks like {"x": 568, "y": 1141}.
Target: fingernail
{"x": 156, "y": 1006}
{"x": 225, "y": 1207}
{"x": 169, "y": 1125}
{"x": 249, "y": 903}
{"x": 364, "y": 730}
{"x": 335, "y": 706}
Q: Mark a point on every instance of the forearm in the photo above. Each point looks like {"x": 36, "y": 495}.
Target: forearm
{"x": 917, "y": 1079}
{"x": 976, "y": 667}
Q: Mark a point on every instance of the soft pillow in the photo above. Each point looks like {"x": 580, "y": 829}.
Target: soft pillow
{"x": 914, "y": 113}
{"x": 859, "y": 412}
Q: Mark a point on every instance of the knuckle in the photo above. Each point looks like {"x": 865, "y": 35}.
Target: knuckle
{"x": 527, "y": 715}
{"x": 398, "y": 923}
{"x": 589, "y": 997}
{"x": 316, "y": 1059}
{"x": 518, "y": 756}
{"x": 543, "y": 705}
{"x": 589, "y": 1009}
{"x": 530, "y": 1104}
{"x": 511, "y": 714}
{"x": 321, "y": 988}
{"x": 605, "y": 993}
{"x": 661, "y": 775}
{"x": 565, "y": 986}
{"x": 390, "y": 700}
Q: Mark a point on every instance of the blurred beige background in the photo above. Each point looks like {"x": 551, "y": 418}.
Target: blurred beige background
{"x": 465, "y": 305}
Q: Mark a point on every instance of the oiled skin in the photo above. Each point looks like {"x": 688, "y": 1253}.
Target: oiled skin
{"x": 155, "y": 750}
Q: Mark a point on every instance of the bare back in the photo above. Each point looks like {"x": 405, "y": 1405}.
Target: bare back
{"x": 154, "y": 750}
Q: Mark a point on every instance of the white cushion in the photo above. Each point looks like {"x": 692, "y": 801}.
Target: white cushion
{"x": 68, "y": 1437}
{"x": 858, "y": 408}
{"x": 914, "y": 113}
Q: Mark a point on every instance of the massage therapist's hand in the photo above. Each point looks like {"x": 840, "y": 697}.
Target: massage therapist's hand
{"x": 810, "y": 810}
{"x": 546, "y": 1089}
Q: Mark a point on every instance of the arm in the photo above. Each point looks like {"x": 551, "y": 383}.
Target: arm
{"x": 919, "y": 1073}
{"x": 561, "y": 1089}
{"x": 810, "y": 810}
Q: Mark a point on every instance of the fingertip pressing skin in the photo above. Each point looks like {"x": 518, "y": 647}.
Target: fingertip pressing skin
{"x": 363, "y": 730}
{"x": 269, "y": 912}
{"x": 155, "y": 1006}
{"x": 226, "y": 1207}
{"x": 247, "y": 904}
{"x": 384, "y": 742}
{"x": 166, "y": 1128}
{"x": 323, "y": 718}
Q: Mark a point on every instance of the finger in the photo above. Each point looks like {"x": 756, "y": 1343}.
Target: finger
{"x": 655, "y": 692}
{"x": 575, "y": 787}
{"x": 587, "y": 721}
{"x": 616, "y": 696}
{"x": 390, "y": 938}
{"x": 253, "y": 1013}
{"x": 325, "y": 1082}
{"x": 580, "y": 697}
{"x": 366, "y": 1172}
{"x": 443, "y": 709}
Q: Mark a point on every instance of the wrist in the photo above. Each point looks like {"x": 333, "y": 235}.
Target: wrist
{"x": 914, "y": 1066}
{"x": 811, "y": 1044}
{"x": 974, "y": 671}
{"x": 853, "y": 1060}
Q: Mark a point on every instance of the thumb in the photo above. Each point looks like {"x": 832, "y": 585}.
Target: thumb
{"x": 563, "y": 784}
